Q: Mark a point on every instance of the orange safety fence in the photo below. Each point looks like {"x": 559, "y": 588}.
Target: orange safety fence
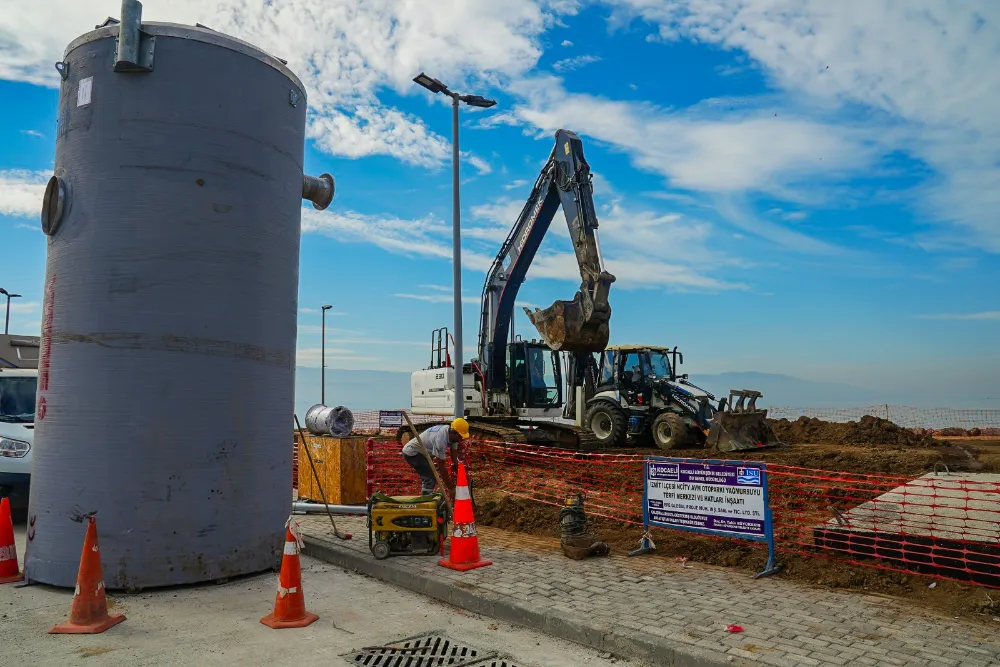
{"x": 942, "y": 524}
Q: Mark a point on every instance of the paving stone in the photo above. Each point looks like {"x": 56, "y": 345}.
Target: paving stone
{"x": 658, "y": 611}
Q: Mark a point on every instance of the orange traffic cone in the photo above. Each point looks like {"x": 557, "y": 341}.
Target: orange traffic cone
{"x": 290, "y": 603}
{"x": 8, "y": 550}
{"x": 464, "y": 554}
{"x": 89, "y": 613}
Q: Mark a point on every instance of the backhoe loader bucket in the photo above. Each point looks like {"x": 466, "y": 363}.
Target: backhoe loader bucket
{"x": 580, "y": 325}
{"x": 741, "y": 426}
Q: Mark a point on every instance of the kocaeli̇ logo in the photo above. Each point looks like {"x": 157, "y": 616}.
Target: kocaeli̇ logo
{"x": 748, "y": 476}
{"x": 667, "y": 471}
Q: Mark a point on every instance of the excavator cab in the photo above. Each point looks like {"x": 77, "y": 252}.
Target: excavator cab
{"x": 535, "y": 375}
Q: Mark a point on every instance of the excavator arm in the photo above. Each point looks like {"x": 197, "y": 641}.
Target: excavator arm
{"x": 578, "y": 326}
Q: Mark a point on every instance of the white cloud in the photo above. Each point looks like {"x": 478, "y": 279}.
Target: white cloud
{"x": 33, "y": 133}
{"x": 513, "y": 185}
{"x": 565, "y": 43}
{"x": 632, "y": 243}
{"x": 985, "y": 315}
{"x": 348, "y": 54}
{"x": 18, "y": 306}
{"x": 423, "y": 237}
{"x": 438, "y": 298}
{"x": 707, "y": 148}
{"x": 925, "y": 65}
{"x": 309, "y": 310}
{"x": 21, "y": 192}
{"x": 576, "y": 62}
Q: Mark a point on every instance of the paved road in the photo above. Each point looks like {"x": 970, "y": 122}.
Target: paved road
{"x": 219, "y": 625}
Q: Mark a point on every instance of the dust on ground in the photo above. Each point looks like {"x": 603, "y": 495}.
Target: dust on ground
{"x": 499, "y": 510}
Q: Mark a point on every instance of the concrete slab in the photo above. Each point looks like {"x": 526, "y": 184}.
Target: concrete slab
{"x": 937, "y": 523}
{"x": 219, "y": 626}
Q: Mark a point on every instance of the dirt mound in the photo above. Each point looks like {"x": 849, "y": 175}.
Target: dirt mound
{"x": 494, "y": 508}
{"x": 869, "y": 431}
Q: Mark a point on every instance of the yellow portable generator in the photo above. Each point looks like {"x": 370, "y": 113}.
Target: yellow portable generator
{"x": 407, "y": 525}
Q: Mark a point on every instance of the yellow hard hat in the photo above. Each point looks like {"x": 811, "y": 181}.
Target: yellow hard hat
{"x": 461, "y": 426}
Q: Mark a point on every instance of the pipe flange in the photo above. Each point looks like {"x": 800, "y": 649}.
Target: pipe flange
{"x": 318, "y": 190}
{"x": 53, "y": 205}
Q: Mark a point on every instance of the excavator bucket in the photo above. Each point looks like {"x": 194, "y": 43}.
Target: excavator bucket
{"x": 741, "y": 426}
{"x": 580, "y": 325}
{"x": 563, "y": 327}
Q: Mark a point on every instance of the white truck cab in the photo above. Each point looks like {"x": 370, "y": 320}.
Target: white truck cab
{"x": 18, "y": 387}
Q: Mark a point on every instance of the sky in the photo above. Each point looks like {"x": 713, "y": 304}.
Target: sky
{"x": 786, "y": 186}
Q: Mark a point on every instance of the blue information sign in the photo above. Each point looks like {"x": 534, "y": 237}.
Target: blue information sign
{"x": 724, "y": 498}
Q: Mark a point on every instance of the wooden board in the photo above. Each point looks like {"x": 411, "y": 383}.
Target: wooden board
{"x": 340, "y": 466}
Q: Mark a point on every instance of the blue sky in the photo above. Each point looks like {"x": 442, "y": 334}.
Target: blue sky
{"x": 801, "y": 187}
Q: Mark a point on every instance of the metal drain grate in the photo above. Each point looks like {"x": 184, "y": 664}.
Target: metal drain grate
{"x": 435, "y": 650}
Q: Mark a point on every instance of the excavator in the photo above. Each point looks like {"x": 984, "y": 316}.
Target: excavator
{"x": 514, "y": 390}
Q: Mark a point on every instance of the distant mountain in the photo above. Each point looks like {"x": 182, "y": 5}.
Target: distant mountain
{"x": 373, "y": 390}
{"x": 786, "y": 390}
{"x": 358, "y": 390}
{"x": 387, "y": 390}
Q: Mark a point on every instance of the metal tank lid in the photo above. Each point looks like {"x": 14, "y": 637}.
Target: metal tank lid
{"x": 197, "y": 33}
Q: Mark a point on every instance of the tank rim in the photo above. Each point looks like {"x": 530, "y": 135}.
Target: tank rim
{"x": 195, "y": 33}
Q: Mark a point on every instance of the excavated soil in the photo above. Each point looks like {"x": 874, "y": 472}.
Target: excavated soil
{"x": 869, "y": 431}
{"x": 496, "y": 509}
{"x": 871, "y": 445}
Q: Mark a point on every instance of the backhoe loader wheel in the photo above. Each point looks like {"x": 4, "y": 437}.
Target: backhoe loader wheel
{"x": 670, "y": 431}
{"x": 608, "y": 424}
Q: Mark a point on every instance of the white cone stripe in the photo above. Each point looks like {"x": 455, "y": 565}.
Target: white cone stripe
{"x": 76, "y": 591}
{"x": 462, "y": 493}
{"x": 291, "y": 549}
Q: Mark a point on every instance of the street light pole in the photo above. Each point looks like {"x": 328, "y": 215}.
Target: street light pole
{"x": 436, "y": 86}
{"x": 6, "y": 323}
{"x": 456, "y": 261}
{"x": 322, "y": 363}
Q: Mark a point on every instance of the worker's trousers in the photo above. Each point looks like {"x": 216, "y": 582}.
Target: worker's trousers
{"x": 423, "y": 468}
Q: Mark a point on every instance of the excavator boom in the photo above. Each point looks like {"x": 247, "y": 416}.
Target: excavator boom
{"x": 580, "y": 325}
{"x": 577, "y": 326}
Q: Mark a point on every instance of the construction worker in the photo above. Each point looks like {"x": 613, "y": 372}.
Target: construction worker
{"x": 441, "y": 441}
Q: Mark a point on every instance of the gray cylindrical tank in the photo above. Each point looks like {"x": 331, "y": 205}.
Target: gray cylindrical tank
{"x": 166, "y": 382}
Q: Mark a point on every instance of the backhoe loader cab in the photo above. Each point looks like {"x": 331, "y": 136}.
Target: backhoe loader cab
{"x": 640, "y": 396}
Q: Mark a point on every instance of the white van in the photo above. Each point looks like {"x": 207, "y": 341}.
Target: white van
{"x": 18, "y": 387}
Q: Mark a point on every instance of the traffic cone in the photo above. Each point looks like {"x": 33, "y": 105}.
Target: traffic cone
{"x": 464, "y": 554}
{"x": 290, "y": 603}
{"x": 8, "y": 550}
{"x": 89, "y": 613}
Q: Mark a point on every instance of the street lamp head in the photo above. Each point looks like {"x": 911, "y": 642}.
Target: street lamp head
{"x": 327, "y": 307}
{"x": 478, "y": 101}
{"x": 430, "y": 84}
{"x": 4, "y": 292}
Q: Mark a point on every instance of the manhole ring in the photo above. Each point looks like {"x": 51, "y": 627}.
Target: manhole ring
{"x": 429, "y": 650}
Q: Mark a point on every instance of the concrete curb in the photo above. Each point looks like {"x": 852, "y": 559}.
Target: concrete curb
{"x": 621, "y": 642}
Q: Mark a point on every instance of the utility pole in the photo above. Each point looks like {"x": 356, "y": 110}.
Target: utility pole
{"x": 436, "y": 86}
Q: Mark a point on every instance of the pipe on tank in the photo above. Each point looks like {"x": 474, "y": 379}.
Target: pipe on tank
{"x": 134, "y": 51}
{"x": 318, "y": 190}
{"x": 318, "y": 508}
